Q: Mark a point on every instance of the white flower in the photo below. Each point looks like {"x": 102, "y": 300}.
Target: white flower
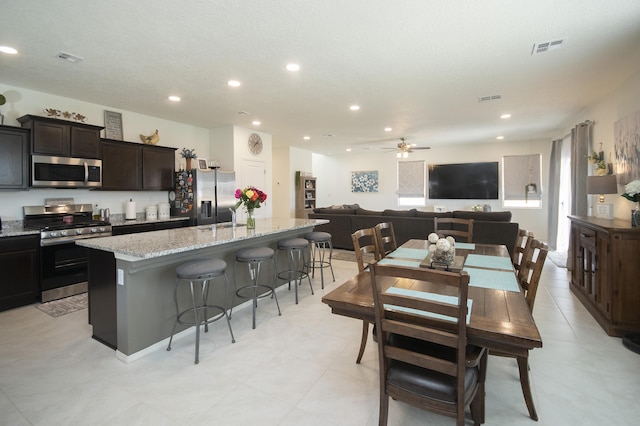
{"x": 632, "y": 188}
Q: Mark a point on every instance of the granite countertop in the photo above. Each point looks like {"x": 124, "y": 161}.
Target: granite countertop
{"x": 171, "y": 241}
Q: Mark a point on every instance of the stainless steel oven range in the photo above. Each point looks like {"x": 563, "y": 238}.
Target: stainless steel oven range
{"x": 63, "y": 265}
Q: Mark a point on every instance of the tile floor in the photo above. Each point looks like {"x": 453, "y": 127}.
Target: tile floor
{"x": 297, "y": 369}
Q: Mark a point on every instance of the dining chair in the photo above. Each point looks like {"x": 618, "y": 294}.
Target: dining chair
{"x": 364, "y": 244}
{"x": 529, "y": 273}
{"x": 424, "y": 359}
{"x": 386, "y": 238}
{"x": 455, "y": 227}
{"x": 524, "y": 237}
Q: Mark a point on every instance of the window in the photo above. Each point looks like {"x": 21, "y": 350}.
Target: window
{"x": 411, "y": 183}
{"x": 521, "y": 183}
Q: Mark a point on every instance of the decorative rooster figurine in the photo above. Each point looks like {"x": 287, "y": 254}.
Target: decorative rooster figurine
{"x": 151, "y": 140}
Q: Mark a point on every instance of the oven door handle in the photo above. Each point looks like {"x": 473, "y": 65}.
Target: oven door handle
{"x": 86, "y": 173}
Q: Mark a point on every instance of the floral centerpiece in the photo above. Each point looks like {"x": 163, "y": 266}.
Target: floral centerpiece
{"x": 251, "y": 198}
{"x": 632, "y": 193}
{"x": 188, "y": 154}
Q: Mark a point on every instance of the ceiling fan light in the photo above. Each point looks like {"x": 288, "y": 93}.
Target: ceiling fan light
{"x": 405, "y": 154}
{"x": 398, "y": 154}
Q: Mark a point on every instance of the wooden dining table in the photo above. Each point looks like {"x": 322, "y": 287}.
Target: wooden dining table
{"x": 500, "y": 318}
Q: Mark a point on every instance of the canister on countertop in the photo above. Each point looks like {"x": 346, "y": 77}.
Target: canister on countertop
{"x": 164, "y": 210}
{"x": 151, "y": 213}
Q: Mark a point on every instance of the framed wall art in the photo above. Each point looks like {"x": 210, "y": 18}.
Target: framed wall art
{"x": 627, "y": 147}
{"x": 113, "y": 125}
{"x": 365, "y": 181}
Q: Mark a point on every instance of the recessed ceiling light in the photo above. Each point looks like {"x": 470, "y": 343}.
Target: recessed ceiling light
{"x": 354, "y": 107}
{"x": 174, "y": 98}
{"x": 293, "y": 67}
{"x": 388, "y": 129}
{"x": 8, "y": 50}
{"x": 306, "y": 138}
{"x": 256, "y": 123}
{"x": 500, "y": 137}
{"x": 505, "y": 116}
{"x": 348, "y": 149}
{"x": 233, "y": 83}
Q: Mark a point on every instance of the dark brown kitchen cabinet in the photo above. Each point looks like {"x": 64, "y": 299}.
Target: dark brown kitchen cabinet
{"x": 121, "y": 165}
{"x": 14, "y": 158}
{"x": 133, "y": 166}
{"x": 158, "y": 164}
{"x": 20, "y": 266}
{"x": 51, "y": 136}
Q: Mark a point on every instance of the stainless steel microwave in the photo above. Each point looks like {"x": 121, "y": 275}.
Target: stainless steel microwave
{"x": 63, "y": 172}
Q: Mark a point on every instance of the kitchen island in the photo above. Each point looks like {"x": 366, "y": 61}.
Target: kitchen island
{"x": 132, "y": 277}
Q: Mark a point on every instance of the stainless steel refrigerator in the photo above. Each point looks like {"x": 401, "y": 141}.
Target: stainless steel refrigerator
{"x": 205, "y": 196}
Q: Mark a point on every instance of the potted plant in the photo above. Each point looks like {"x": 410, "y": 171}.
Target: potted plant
{"x": 188, "y": 154}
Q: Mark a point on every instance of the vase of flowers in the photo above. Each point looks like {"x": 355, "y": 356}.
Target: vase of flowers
{"x": 251, "y": 198}
{"x": 632, "y": 193}
{"x": 188, "y": 155}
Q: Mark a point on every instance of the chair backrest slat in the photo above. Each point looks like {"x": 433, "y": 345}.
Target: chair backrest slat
{"x": 365, "y": 242}
{"x": 455, "y": 227}
{"x": 386, "y": 238}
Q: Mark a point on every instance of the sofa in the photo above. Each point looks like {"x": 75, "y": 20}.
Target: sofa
{"x": 488, "y": 227}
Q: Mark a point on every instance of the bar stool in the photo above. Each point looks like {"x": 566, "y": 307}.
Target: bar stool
{"x": 200, "y": 272}
{"x": 320, "y": 243}
{"x": 295, "y": 249}
{"x": 254, "y": 257}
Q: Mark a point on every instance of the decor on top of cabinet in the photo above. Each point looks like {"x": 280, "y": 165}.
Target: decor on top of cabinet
{"x": 113, "y": 125}
{"x": 188, "y": 155}
{"x": 56, "y": 113}
{"x": 632, "y": 193}
{"x": 151, "y": 139}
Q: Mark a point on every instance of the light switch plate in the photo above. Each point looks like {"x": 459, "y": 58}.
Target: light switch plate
{"x": 120, "y": 277}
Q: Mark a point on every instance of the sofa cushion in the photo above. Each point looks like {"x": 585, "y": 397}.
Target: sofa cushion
{"x": 327, "y": 210}
{"x": 421, "y": 213}
{"x": 402, "y": 213}
{"x": 484, "y": 216}
{"x": 365, "y": 212}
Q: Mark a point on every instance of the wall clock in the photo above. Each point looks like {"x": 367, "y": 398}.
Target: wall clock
{"x": 255, "y": 143}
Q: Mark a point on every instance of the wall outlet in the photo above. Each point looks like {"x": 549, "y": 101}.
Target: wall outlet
{"x": 120, "y": 277}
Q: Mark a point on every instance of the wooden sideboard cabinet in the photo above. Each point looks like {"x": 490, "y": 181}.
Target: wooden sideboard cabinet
{"x": 604, "y": 259}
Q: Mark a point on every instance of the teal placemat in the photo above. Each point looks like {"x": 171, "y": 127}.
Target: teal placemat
{"x": 497, "y": 280}
{"x": 409, "y": 253}
{"x": 465, "y": 246}
{"x": 399, "y": 262}
{"x": 428, "y": 296}
{"x": 484, "y": 261}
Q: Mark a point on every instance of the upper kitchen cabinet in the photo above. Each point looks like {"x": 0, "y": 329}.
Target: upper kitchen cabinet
{"x": 14, "y": 157}
{"x": 121, "y": 165}
{"x": 158, "y": 165}
{"x": 129, "y": 166}
{"x": 51, "y": 136}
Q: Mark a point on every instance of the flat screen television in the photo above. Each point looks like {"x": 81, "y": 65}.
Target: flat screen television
{"x": 467, "y": 181}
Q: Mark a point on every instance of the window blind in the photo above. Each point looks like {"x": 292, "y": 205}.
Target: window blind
{"x": 411, "y": 179}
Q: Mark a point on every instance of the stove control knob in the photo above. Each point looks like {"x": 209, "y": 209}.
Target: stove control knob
{"x": 63, "y": 233}
{"x": 102, "y": 229}
{"x": 78, "y": 231}
{"x": 53, "y": 234}
{"x": 94, "y": 230}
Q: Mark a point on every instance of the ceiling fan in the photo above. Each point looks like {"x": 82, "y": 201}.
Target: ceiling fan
{"x": 404, "y": 148}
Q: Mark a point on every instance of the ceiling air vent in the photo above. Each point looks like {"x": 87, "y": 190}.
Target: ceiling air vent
{"x": 69, "y": 57}
{"x": 242, "y": 113}
{"x": 489, "y": 98}
{"x": 547, "y": 46}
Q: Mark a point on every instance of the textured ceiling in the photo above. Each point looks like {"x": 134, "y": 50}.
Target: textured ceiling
{"x": 418, "y": 66}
